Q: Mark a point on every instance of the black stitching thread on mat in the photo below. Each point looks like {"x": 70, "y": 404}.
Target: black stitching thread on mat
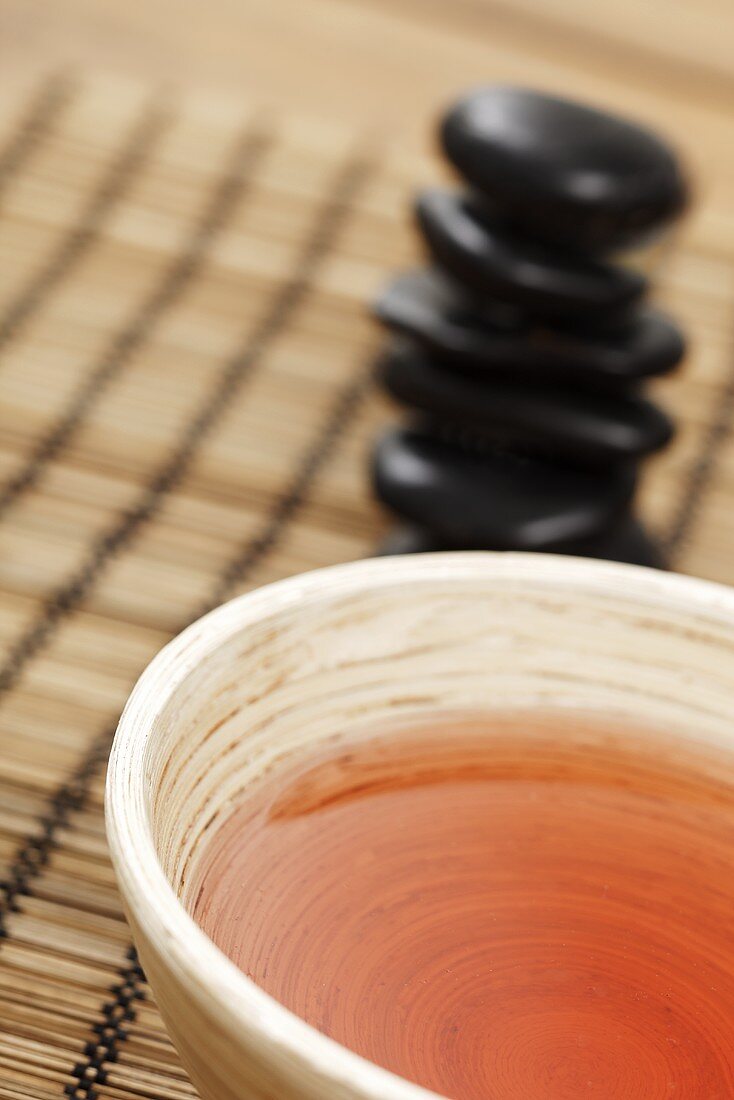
{"x": 43, "y": 110}
{"x": 34, "y": 853}
{"x": 67, "y": 597}
{"x": 177, "y": 276}
{"x": 117, "y": 1016}
{"x": 120, "y": 1013}
{"x": 72, "y": 795}
{"x": 241, "y": 565}
{"x": 701, "y": 473}
{"x": 111, "y": 187}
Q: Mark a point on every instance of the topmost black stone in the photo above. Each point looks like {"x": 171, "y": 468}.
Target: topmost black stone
{"x": 568, "y": 174}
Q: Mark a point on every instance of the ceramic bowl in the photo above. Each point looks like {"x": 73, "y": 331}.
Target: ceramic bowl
{"x": 306, "y": 659}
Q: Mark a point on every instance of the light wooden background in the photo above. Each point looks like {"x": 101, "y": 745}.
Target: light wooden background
{"x": 192, "y": 221}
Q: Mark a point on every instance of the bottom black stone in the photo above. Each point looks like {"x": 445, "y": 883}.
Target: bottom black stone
{"x": 496, "y": 501}
{"x": 406, "y": 539}
{"x": 629, "y": 543}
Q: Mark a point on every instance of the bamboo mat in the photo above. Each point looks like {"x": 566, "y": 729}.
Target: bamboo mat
{"x": 185, "y": 409}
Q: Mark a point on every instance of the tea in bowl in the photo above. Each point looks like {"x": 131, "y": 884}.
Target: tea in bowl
{"x": 456, "y": 825}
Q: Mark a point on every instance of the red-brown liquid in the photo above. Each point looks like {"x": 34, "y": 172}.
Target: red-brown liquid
{"x": 506, "y": 909}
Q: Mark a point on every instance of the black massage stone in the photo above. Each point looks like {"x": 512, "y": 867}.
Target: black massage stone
{"x": 496, "y": 263}
{"x": 565, "y": 422}
{"x": 568, "y": 174}
{"x": 627, "y": 542}
{"x": 432, "y": 310}
{"x": 521, "y": 351}
{"x": 500, "y": 501}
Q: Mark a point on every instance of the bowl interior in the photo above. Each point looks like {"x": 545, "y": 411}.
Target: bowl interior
{"x": 320, "y": 667}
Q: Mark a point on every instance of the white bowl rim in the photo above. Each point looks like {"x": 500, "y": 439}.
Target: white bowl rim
{"x": 206, "y": 972}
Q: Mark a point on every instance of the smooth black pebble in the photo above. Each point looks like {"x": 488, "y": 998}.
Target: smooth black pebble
{"x": 567, "y": 423}
{"x": 567, "y": 173}
{"x": 408, "y": 539}
{"x": 495, "y": 502}
{"x": 505, "y": 266}
{"x": 436, "y": 312}
{"x": 627, "y": 542}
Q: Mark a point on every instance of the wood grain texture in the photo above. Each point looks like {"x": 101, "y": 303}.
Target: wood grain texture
{"x": 107, "y": 367}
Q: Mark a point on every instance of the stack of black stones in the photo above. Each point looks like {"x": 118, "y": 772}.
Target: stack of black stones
{"x": 521, "y": 352}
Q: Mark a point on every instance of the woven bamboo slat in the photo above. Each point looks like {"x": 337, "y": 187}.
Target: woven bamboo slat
{"x": 184, "y": 414}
